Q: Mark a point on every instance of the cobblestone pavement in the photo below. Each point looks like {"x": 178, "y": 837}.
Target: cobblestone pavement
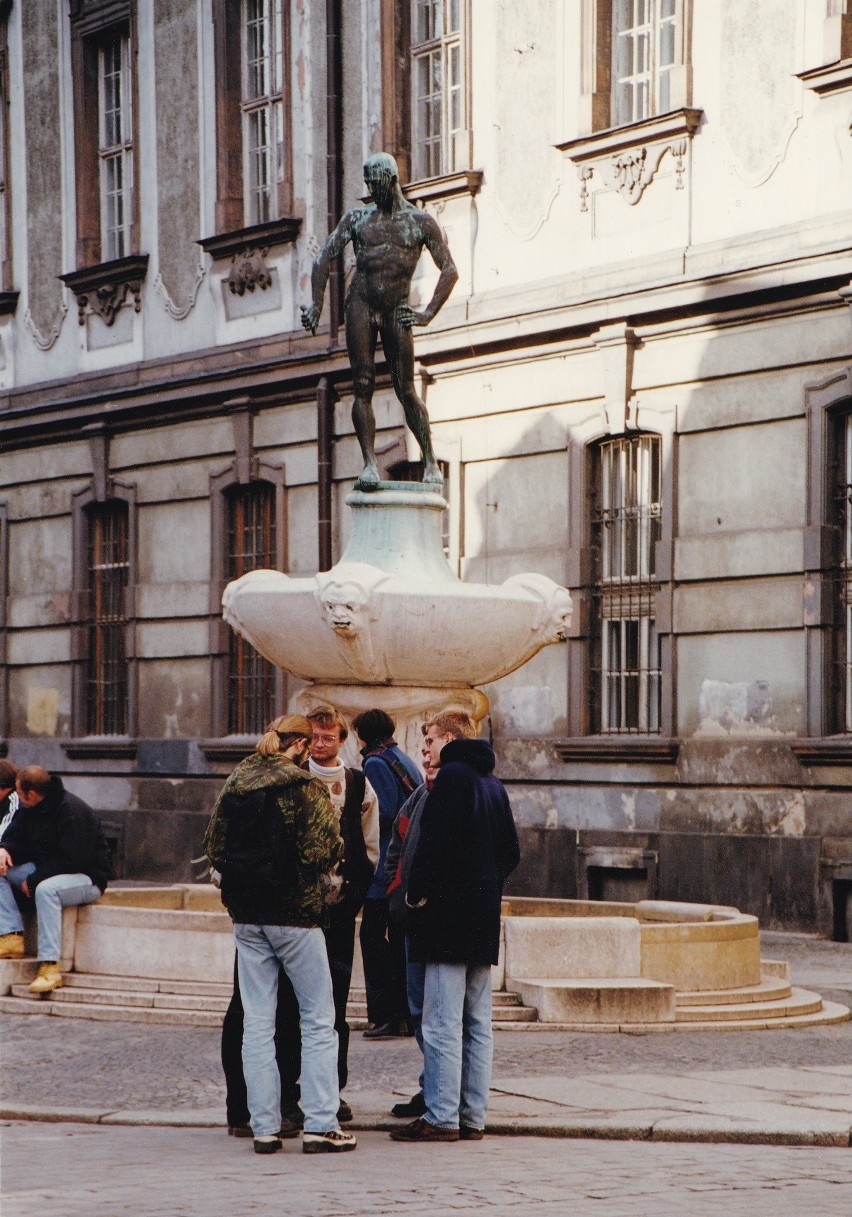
{"x": 76, "y": 1170}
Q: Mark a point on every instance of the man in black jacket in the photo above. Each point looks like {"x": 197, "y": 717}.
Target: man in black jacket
{"x": 468, "y": 846}
{"x": 54, "y": 853}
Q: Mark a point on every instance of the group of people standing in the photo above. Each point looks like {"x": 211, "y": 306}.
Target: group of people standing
{"x": 301, "y": 845}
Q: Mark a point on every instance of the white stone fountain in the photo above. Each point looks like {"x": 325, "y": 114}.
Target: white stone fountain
{"x": 391, "y": 625}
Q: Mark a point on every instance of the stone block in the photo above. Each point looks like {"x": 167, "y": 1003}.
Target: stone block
{"x": 601, "y": 1000}
{"x": 172, "y": 944}
{"x": 554, "y": 948}
{"x": 710, "y": 955}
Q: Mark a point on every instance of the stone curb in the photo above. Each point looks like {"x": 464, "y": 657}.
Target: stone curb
{"x": 532, "y": 1127}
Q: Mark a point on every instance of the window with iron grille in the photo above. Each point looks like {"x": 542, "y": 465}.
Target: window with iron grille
{"x": 263, "y": 109}
{"x": 626, "y": 525}
{"x": 115, "y": 145}
{"x": 5, "y": 208}
{"x": 251, "y": 543}
{"x": 841, "y": 665}
{"x": 644, "y": 52}
{"x": 108, "y": 568}
{"x": 439, "y": 143}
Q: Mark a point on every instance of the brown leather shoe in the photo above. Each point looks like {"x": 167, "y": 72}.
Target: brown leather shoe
{"x": 422, "y": 1130}
{"x": 468, "y": 1133}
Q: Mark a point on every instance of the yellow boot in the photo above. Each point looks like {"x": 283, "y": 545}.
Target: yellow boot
{"x": 49, "y": 978}
{"x": 11, "y": 946}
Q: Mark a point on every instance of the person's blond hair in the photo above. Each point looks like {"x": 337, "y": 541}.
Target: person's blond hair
{"x": 455, "y": 723}
{"x": 282, "y": 732}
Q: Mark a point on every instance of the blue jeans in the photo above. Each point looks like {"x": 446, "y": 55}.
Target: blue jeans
{"x": 51, "y": 896}
{"x": 302, "y": 954}
{"x": 457, "y": 1044}
{"x": 415, "y": 981}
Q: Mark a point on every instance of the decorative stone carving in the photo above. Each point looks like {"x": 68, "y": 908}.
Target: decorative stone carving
{"x": 103, "y": 289}
{"x": 249, "y": 271}
{"x": 626, "y": 159}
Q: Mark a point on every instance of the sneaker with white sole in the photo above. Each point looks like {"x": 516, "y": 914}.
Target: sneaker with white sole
{"x": 332, "y": 1142}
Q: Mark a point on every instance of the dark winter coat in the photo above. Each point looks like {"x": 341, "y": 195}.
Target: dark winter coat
{"x": 62, "y": 836}
{"x": 468, "y": 847}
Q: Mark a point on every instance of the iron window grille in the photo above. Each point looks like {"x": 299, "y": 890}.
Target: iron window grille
{"x": 263, "y": 109}
{"x": 644, "y": 52}
{"x": 251, "y": 544}
{"x": 626, "y": 525}
{"x": 438, "y": 100}
{"x": 115, "y": 145}
{"x": 107, "y": 685}
{"x": 841, "y": 658}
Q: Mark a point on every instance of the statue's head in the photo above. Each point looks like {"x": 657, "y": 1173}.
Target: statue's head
{"x": 381, "y": 176}
{"x": 345, "y": 596}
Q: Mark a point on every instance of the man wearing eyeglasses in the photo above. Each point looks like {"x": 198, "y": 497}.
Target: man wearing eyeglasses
{"x": 467, "y": 848}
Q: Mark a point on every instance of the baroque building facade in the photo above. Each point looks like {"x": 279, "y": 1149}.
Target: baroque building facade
{"x": 641, "y": 387}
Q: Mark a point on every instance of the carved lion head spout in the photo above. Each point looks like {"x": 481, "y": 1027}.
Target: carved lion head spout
{"x": 346, "y": 597}
{"x": 552, "y": 622}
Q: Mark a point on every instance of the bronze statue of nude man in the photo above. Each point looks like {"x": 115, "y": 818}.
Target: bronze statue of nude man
{"x": 388, "y": 236}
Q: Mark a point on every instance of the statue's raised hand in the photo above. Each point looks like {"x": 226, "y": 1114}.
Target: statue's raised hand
{"x": 311, "y": 316}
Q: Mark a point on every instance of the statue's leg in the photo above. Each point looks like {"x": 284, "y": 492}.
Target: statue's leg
{"x": 361, "y": 334}
{"x": 398, "y": 344}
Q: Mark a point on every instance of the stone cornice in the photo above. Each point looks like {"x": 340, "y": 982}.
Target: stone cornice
{"x": 114, "y": 749}
{"x": 448, "y": 186}
{"x": 830, "y": 750}
{"x": 258, "y": 236}
{"x": 618, "y": 749}
{"x": 829, "y": 78}
{"x": 102, "y": 289}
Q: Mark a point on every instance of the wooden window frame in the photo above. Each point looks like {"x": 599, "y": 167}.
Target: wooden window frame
{"x": 229, "y": 44}
{"x": 91, "y": 22}
{"x": 596, "y": 108}
{"x": 454, "y": 152}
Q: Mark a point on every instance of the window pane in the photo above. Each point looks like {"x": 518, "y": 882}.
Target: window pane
{"x": 115, "y": 149}
{"x": 438, "y": 88}
{"x": 625, "y": 684}
{"x": 108, "y": 577}
{"x": 250, "y": 544}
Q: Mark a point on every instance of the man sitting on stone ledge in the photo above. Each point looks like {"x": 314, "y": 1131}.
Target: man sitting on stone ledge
{"x": 54, "y": 854}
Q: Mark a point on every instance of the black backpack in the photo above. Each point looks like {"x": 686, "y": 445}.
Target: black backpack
{"x": 260, "y": 860}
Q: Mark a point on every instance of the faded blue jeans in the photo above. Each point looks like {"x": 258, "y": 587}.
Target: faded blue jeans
{"x": 51, "y": 897}
{"x": 302, "y": 954}
{"x": 457, "y": 1044}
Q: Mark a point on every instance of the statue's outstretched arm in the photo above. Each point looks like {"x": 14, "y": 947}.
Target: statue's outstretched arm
{"x": 436, "y": 243}
{"x": 334, "y": 245}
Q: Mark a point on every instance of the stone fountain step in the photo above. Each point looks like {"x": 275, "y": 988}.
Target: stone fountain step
{"x": 799, "y": 1002}
{"x": 604, "y": 1000}
{"x": 768, "y": 990}
{"x": 828, "y": 1014}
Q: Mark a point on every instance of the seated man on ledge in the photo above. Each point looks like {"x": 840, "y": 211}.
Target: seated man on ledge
{"x": 55, "y": 854}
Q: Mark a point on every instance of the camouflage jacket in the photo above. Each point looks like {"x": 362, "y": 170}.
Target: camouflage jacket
{"x": 309, "y": 820}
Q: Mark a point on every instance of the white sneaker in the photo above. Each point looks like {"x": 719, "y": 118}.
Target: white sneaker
{"x": 332, "y": 1142}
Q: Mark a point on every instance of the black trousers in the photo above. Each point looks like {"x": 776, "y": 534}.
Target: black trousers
{"x": 383, "y": 952}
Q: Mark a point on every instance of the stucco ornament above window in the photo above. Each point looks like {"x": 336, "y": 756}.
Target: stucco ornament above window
{"x": 627, "y": 159}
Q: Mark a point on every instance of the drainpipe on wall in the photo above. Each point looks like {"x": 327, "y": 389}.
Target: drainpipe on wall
{"x": 326, "y": 397}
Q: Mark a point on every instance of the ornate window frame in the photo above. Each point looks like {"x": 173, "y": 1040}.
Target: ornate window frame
{"x": 627, "y": 157}
{"x": 825, "y": 744}
{"x": 8, "y": 297}
{"x": 102, "y": 285}
{"x": 244, "y": 470}
{"x": 629, "y": 417}
{"x": 101, "y": 489}
{"x": 247, "y": 245}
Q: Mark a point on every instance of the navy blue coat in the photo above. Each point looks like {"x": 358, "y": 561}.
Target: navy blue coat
{"x": 468, "y": 847}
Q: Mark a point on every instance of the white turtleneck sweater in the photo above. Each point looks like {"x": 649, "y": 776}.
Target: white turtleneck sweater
{"x": 334, "y": 777}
